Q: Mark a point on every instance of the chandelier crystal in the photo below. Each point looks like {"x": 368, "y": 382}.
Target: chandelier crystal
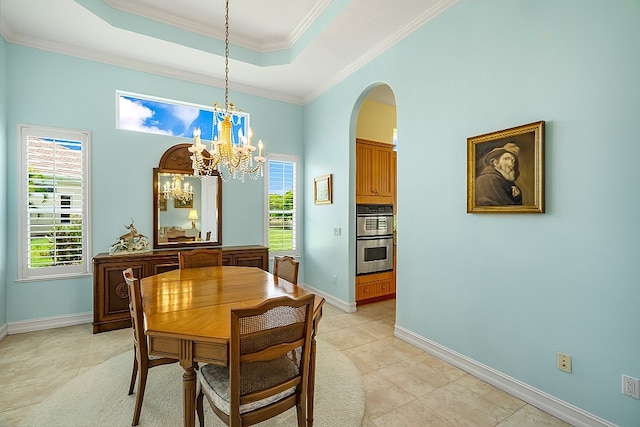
{"x": 176, "y": 190}
{"x": 230, "y": 156}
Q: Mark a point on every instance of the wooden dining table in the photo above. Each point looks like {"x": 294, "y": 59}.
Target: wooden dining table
{"x": 187, "y": 317}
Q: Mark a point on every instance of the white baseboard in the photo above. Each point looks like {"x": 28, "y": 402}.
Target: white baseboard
{"x": 48, "y": 323}
{"x": 4, "y": 331}
{"x": 541, "y": 400}
{"x": 348, "y": 307}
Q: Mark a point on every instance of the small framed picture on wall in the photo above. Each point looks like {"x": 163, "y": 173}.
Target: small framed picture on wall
{"x": 322, "y": 190}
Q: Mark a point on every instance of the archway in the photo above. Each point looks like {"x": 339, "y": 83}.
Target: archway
{"x": 375, "y": 190}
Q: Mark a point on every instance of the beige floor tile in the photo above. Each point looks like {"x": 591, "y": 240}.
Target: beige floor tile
{"x": 530, "y": 416}
{"x": 338, "y": 322}
{"x": 462, "y": 407}
{"x": 377, "y": 354}
{"x": 414, "y": 377}
{"x": 382, "y": 395}
{"x": 347, "y": 338}
{"x": 491, "y": 393}
{"x": 414, "y": 413}
{"x": 451, "y": 372}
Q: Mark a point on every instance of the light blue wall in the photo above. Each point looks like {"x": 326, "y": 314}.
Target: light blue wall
{"x": 3, "y": 174}
{"x": 508, "y": 291}
{"x": 61, "y": 91}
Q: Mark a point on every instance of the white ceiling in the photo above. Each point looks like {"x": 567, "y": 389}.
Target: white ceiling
{"x": 291, "y": 50}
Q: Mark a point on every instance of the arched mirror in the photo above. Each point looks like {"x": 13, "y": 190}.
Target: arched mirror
{"x": 187, "y": 209}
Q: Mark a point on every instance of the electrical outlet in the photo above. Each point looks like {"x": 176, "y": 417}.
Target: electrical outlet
{"x": 335, "y": 279}
{"x": 337, "y": 231}
{"x": 564, "y": 362}
{"x": 631, "y": 386}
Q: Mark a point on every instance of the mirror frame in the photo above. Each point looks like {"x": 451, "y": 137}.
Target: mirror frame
{"x": 177, "y": 160}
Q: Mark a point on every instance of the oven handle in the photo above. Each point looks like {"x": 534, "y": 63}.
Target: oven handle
{"x": 379, "y": 237}
{"x": 374, "y": 214}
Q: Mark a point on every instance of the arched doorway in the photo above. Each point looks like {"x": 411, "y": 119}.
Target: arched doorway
{"x": 375, "y": 183}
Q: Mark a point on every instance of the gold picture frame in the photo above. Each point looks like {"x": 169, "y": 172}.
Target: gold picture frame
{"x": 177, "y": 203}
{"x": 162, "y": 202}
{"x": 505, "y": 170}
{"x": 322, "y": 190}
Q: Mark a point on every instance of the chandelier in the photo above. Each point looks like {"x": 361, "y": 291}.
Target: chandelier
{"x": 176, "y": 190}
{"x": 230, "y": 156}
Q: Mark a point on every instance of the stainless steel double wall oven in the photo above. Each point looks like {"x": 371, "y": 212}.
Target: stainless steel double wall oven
{"x": 374, "y": 238}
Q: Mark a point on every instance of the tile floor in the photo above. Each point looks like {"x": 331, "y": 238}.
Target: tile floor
{"x": 405, "y": 386}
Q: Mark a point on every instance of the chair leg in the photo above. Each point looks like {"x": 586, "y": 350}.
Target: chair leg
{"x": 302, "y": 422}
{"x": 134, "y": 373}
{"x": 142, "y": 383}
{"x": 200, "y": 408}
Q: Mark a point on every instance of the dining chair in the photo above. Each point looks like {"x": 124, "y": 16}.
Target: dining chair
{"x": 200, "y": 258}
{"x": 142, "y": 362}
{"x": 286, "y": 268}
{"x": 262, "y": 379}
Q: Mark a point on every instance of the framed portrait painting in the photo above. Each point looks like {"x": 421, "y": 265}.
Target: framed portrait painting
{"x": 505, "y": 170}
{"x": 322, "y": 190}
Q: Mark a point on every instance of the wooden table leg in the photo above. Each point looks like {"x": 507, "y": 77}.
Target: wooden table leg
{"x": 189, "y": 397}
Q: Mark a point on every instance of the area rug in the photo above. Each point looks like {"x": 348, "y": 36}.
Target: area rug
{"x": 98, "y": 397}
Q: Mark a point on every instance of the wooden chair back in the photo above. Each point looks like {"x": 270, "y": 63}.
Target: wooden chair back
{"x": 286, "y": 268}
{"x": 269, "y": 356}
{"x": 279, "y": 328}
{"x": 135, "y": 308}
{"x": 200, "y": 258}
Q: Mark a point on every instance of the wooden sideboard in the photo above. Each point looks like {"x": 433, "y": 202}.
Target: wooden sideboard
{"x": 110, "y": 296}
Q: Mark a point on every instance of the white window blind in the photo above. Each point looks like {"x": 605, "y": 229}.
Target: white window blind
{"x": 282, "y": 221}
{"x": 55, "y": 217}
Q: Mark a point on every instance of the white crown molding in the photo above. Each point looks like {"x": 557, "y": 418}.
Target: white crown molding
{"x": 544, "y": 401}
{"x": 218, "y": 33}
{"x": 304, "y": 25}
{"x": 368, "y": 56}
{"x": 147, "y": 67}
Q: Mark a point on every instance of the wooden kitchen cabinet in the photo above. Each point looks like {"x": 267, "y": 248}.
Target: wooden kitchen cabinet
{"x": 375, "y": 287}
{"x": 375, "y": 172}
{"x": 110, "y": 292}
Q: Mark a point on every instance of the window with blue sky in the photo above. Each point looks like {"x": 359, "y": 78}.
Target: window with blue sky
{"x": 142, "y": 113}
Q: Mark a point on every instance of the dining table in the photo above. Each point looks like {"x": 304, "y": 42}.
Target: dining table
{"x": 187, "y": 316}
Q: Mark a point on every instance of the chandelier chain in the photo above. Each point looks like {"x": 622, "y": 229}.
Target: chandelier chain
{"x": 226, "y": 56}
{"x": 231, "y": 153}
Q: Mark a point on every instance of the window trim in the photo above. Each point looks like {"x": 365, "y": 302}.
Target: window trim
{"x": 297, "y": 198}
{"x": 45, "y": 273}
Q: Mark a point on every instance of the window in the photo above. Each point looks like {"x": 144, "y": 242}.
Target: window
{"x": 54, "y": 214}
{"x": 282, "y": 194}
{"x": 143, "y": 113}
